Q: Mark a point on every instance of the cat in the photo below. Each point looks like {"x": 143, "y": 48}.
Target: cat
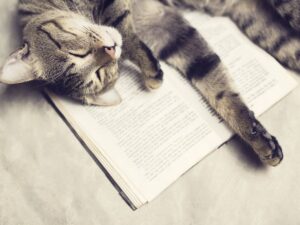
{"x": 75, "y": 46}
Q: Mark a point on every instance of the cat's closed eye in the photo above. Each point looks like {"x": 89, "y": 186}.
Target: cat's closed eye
{"x": 80, "y": 54}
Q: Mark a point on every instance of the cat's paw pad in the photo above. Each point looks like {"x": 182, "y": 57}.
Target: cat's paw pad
{"x": 267, "y": 146}
{"x": 154, "y": 82}
{"x": 274, "y": 152}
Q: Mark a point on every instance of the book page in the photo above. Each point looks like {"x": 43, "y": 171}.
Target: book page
{"x": 151, "y": 138}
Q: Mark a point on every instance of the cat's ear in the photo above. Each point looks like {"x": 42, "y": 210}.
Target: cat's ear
{"x": 17, "y": 69}
{"x": 108, "y": 98}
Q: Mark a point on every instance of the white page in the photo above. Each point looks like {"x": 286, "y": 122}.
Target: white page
{"x": 152, "y": 137}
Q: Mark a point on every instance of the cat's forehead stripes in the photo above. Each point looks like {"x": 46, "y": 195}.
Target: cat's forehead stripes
{"x": 57, "y": 25}
{"x": 49, "y": 36}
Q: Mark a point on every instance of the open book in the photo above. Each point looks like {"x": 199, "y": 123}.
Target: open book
{"x": 152, "y": 138}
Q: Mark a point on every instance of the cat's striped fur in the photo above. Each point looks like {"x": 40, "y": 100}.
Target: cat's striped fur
{"x": 70, "y": 36}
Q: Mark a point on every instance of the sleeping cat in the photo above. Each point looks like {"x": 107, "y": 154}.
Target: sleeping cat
{"x": 75, "y": 46}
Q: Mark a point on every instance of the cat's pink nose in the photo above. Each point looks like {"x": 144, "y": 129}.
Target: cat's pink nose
{"x": 111, "y": 51}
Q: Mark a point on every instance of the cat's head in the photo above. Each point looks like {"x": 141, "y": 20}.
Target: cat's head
{"x": 76, "y": 57}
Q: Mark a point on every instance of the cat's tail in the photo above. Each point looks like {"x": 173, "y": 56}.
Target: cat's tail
{"x": 266, "y": 28}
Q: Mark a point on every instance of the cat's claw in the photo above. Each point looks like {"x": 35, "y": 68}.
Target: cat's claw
{"x": 270, "y": 151}
{"x": 276, "y": 155}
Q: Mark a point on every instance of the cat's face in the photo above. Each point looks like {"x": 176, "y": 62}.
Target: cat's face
{"x": 76, "y": 57}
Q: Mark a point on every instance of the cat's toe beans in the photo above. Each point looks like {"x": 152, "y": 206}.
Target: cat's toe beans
{"x": 272, "y": 160}
{"x": 275, "y": 155}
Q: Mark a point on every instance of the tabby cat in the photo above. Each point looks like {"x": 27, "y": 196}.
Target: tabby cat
{"x": 75, "y": 46}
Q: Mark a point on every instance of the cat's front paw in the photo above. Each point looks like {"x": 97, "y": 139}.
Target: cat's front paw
{"x": 264, "y": 144}
{"x": 154, "y": 82}
{"x": 273, "y": 154}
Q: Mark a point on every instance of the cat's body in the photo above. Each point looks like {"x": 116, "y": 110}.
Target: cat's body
{"x": 67, "y": 45}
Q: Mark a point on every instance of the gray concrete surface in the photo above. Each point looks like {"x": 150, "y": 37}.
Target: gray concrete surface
{"x": 47, "y": 177}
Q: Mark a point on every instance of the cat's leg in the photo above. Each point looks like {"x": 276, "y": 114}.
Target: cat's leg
{"x": 268, "y": 30}
{"x": 118, "y": 14}
{"x": 289, "y": 10}
{"x": 182, "y": 47}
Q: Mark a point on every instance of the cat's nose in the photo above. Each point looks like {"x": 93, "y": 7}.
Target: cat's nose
{"x": 111, "y": 51}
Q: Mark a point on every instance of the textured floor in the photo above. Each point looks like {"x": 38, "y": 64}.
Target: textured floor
{"x": 47, "y": 177}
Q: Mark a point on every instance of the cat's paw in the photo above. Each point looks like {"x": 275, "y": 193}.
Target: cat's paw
{"x": 273, "y": 154}
{"x": 154, "y": 82}
{"x": 264, "y": 144}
